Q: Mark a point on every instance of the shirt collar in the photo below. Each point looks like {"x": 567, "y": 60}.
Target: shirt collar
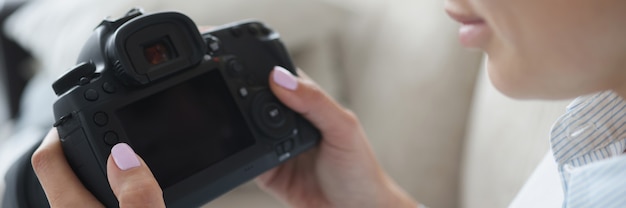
{"x": 593, "y": 128}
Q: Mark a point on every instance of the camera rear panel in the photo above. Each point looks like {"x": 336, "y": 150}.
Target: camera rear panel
{"x": 203, "y": 129}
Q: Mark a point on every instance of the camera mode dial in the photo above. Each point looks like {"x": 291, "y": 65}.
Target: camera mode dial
{"x": 80, "y": 74}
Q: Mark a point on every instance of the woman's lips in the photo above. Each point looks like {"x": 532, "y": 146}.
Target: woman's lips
{"x": 474, "y": 31}
{"x": 474, "y": 35}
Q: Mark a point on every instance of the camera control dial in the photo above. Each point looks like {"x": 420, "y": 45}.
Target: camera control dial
{"x": 272, "y": 117}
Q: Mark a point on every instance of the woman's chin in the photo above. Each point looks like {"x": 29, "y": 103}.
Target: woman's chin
{"x": 512, "y": 86}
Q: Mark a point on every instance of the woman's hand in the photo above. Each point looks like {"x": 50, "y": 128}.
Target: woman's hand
{"x": 131, "y": 181}
{"x": 343, "y": 171}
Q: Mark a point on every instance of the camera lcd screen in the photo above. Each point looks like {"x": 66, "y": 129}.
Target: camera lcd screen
{"x": 186, "y": 128}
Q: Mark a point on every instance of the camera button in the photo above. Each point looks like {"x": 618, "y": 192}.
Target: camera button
{"x": 235, "y": 67}
{"x": 100, "y": 118}
{"x": 111, "y": 138}
{"x": 273, "y": 115}
{"x": 243, "y": 92}
{"x": 266, "y": 31}
{"x": 273, "y": 119}
{"x": 236, "y": 31}
{"x": 91, "y": 95}
{"x": 288, "y": 145}
{"x": 83, "y": 81}
{"x": 284, "y": 157}
{"x": 253, "y": 29}
{"x": 280, "y": 149}
{"x": 212, "y": 43}
{"x": 108, "y": 88}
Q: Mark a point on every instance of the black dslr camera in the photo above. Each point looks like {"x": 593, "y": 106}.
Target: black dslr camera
{"x": 196, "y": 107}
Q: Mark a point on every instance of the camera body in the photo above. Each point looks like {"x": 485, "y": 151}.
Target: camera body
{"x": 196, "y": 107}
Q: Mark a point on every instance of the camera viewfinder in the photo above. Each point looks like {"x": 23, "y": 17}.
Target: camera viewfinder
{"x": 159, "y": 52}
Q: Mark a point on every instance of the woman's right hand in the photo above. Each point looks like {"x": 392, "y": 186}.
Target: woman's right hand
{"x": 342, "y": 171}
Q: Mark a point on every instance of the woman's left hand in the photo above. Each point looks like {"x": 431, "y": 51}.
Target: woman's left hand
{"x": 130, "y": 178}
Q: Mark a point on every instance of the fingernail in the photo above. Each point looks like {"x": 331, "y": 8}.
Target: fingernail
{"x": 284, "y": 78}
{"x": 124, "y": 156}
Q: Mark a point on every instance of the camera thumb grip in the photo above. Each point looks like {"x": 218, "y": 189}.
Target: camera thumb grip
{"x": 131, "y": 180}
{"x": 308, "y": 99}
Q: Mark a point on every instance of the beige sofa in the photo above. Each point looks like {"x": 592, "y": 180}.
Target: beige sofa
{"x": 436, "y": 124}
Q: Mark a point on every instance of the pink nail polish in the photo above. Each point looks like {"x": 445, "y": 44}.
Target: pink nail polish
{"x": 284, "y": 78}
{"x": 124, "y": 156}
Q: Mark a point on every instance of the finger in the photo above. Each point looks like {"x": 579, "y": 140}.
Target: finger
{"x": 131, "y": 180}
{"x": 204, "y": 28}
{"x": 62, "y": 187}
{"x": 305, "y": 97}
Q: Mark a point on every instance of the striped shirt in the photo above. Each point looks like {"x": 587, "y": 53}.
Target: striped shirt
{"x": 588, "y": 144}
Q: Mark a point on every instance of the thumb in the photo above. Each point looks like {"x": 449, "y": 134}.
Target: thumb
{"x": 131, "y": 180}
{"x": 304, "y": 96}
